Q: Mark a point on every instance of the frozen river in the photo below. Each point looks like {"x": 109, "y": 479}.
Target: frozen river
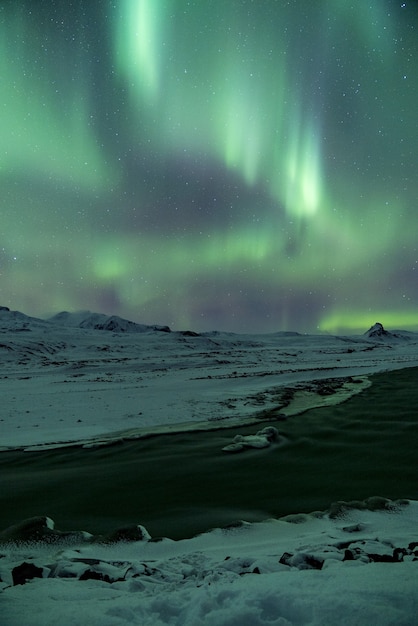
{"x": 181, "y": 484}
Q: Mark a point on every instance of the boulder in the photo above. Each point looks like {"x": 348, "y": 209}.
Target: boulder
{"x": 26, "y": 571}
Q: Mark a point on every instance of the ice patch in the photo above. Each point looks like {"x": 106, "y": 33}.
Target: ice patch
{"x": 263, "y": 439}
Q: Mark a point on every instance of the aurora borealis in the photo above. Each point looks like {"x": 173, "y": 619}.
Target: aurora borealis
{"x": 234, "y": 165}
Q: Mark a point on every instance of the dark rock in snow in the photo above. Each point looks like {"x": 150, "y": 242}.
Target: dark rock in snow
{"x": 24, "y": 572}
{"x": 382, "y": 558}
{"x": 398, "y": 554}
{"x": 312, "y": 562}
{"x": 91, "y": 574}
{"x": 285, "y": 558}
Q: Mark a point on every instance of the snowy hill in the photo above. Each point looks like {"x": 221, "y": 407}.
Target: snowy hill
{"x": 378, "y": 333}
{"x": 14, "y": 321}
{"x": 100, "y": 321}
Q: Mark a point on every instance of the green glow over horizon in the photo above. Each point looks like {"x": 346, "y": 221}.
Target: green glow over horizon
{"x": 360, "y": 321}
{"x": 212, "y": 164}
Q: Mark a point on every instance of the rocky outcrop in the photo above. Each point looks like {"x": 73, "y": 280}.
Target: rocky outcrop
{"x": 377, "y": 330}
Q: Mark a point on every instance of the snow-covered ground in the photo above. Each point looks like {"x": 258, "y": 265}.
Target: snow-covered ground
{"x": 63, "y": 383}
{"x": 359, "y": 568}
{"x": 93, "y": 379}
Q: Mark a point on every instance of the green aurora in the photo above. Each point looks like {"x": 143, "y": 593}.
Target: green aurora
{"x": 245, "y": 166}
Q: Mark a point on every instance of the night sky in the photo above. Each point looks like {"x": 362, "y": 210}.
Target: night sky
{"x": 240, "y": 165}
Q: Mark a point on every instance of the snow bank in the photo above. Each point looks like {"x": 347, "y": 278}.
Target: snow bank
{"x": 358, "y": 567}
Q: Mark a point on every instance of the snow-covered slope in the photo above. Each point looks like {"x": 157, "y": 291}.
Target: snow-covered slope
{"x": 100, "y": 321}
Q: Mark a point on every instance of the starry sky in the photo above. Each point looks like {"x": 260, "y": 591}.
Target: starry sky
{"x": 235, "y": 165}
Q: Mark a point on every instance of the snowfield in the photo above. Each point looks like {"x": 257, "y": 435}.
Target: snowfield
{"x": 92, "y": 379}
{"x": 70, "y": 379}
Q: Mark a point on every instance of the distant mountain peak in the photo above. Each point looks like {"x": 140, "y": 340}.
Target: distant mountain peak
{"x": 378, "y": 333}
{"x": 377, "y": 330}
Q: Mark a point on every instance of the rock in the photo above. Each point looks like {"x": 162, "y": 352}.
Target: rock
{"x": 24, "y": 572}
{"x": 91, "y": 574}
{"x": 376, "y": 330}
{"x": 383, "y": 558}
{"x": 398, "y": 554}
{"x": 312, "y": 562}
{"x": 285, "y": 558}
